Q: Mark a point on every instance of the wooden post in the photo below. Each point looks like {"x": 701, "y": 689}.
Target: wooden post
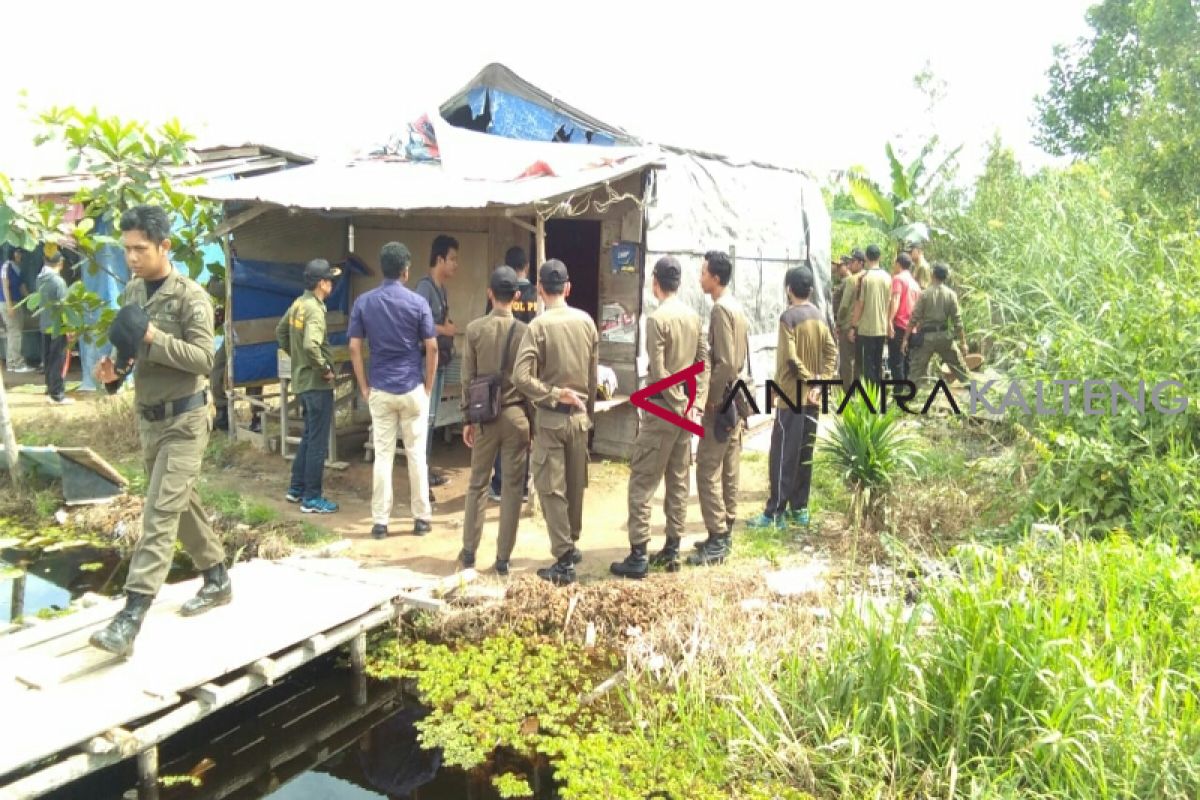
{"x": 229, "y": 344}
{"x": 147, "y": 761}
{"x": 358, "y": 660}
{"x": 539, "y": 238}
{"x": 10, "y": 437}
{"x": 17, "y": 608}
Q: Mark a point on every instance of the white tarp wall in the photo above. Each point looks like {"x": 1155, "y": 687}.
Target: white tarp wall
{"x": 755, "y": 212}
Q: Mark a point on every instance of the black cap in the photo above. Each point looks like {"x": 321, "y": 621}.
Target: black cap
{"x": 667, "y": 270}
{"x": 319, "y": 270}
{"x": 54, "y": 256}
{"x": 858, "y": 255}
{"x": 126, "y": 332}
{"x": 503, "y": 281}
{"x": 553, "y": 275}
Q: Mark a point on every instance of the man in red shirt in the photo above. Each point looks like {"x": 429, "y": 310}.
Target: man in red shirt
{"x": 905, "y": 293}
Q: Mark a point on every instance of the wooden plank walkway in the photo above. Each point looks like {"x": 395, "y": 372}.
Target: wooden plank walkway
{"x": 69, "y": 692}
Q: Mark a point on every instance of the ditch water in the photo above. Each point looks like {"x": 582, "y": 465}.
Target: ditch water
{"x": 315, "y": 735}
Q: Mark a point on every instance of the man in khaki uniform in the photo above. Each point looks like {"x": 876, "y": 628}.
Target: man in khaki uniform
{"x": 920, "y": 269}
{"x": 871, "y": 324}
{"x": 492, "y": 345}
{"x": 673, "y": 342}
{"x": 719, "y": 454}
{"x": 171, "y": 318}
{"x": 556, "y": 371}
{"x": 849, "y": 366}
{"x": 933, "y": 318}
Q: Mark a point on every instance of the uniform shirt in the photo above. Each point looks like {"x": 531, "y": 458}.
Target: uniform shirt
{"x": 53, "y": 290}
{"x": 560, "y": 349}
{"x": 178, "y": 362}
{"x": 727, "y": 347}
{"x": 806, "y": 349}
{"x": 396, "y": 322}
{"x": 524, "y": 307}
{"x": 875, "y": 289}
{"x": 904, "y": 285}
{"x": 845, "y": 306}
{"x": 922, "y": 272}
{"x": 485, "y": 352}
{"x": 937, "y": 306}
{"x": 439, "y": 305}
{"x": 674, "y": 342}
{"x": 301, "y": 334}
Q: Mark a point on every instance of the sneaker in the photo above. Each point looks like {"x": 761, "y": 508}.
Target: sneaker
{"x": 318, "y": 505}
{"x": 421, "y": 527}
{"x": 24, "y": 369}
{"x": 379, "y": 531}
{"x": 437, "y": 479}
{"x": 767, "y": 521}
{"x": 493, "y": 495}
{"x": 292, "y": 496}
{"x": 61, "y": 401}
{"x": 799, "y": 518}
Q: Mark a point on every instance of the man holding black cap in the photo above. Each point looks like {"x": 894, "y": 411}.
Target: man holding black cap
{"x": 52, "y": 290}
{"x": 398, "y": 328}
{"x": 301, "y": 334}
{"x": 166, "y": 328}
{"x": 663, "y": 450}
{"x": 492, "y": 345}
{"x": 556, "y": 371}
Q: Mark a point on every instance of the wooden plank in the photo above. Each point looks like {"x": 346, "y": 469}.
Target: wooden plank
{"x": 46, "y": 674}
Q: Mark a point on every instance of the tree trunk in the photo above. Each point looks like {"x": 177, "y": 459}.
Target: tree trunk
{"x": 10, "y": 438}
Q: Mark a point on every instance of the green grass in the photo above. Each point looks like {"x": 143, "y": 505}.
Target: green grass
{"x": 238, "y": 508}
{"x": 310, "y": 535}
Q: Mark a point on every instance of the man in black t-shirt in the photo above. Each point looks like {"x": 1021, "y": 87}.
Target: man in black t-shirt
{"x": 443, "y": 264}
{"x": 524, "y": 308}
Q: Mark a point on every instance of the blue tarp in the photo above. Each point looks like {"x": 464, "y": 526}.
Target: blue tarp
{"x": 517, "y": 118}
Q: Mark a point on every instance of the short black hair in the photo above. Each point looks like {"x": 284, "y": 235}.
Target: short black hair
{"x": 515, "y": 257}
{"x": 799, "y": 282}
{"x": 873, "y": 252}
{"x": 150, "y": 220}
{"x": 904, "y": 260}
{"x": 719, "y": 266}
{"x": 941, "y": 272}
{"x": 442, "y": 245}
{"x": 394, "y": 260}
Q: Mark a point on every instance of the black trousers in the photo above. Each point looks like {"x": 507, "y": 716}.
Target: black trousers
{"x": 871, "y": 358}
{"x": 54, "y": 359}
{"x": 897, "y": 359}
{"x": 792, "y": 438}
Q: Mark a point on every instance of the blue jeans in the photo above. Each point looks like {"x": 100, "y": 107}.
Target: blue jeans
{"x": 435, "y": 399}
{"x": 309, "y": 464}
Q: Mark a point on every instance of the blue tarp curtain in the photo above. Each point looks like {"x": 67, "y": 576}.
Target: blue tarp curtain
{"x": 517, "y": 118}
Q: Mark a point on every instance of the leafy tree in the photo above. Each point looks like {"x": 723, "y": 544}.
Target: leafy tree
{"x": 129, "y": 163}
{"x": 1132, "y": 88}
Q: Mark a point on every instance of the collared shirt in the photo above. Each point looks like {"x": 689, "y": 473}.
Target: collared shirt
{"x": 396, "y": 322}
{"x": 675, "y": 342}
{"x": 875, "y": 289}
{"x": 937, "y": 307}
{"x": 806, "y": 349}
{"x": 486, "y": 355}
{"x": 561, "y": 348}
{"x": 905, "y": 286}
{"x": 301, "y": 334}
{"x": 845, "y": 306}
{"x": 728, "y": 344}
{"x": 178, "y": 361}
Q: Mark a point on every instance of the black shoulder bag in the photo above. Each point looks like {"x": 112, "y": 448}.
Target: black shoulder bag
{"x": 483, "y": 392}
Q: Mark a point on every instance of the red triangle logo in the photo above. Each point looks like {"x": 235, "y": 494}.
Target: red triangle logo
{"x": 641, "y": 398}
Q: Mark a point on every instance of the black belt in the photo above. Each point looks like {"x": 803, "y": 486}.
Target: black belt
{"x": 173, "y": 408}
{"x": 563, "y": 408}
{"x": 513, "y": 405}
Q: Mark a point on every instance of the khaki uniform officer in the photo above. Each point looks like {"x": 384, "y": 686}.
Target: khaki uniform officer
{"x": 166, "y": 326}
{"x": 556, "y": 371}
{"x": 934, "y": 319}
{"x": 492, "y": 345}
{"x": 674, "y": 342}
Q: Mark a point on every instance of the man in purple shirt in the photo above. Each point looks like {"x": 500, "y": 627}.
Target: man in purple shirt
{"x": 398, "y": 326}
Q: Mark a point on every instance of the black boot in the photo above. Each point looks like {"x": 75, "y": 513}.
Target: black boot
{"x": 667, "y": 557}
{"x": 216, "y": 591}
{"x": 560, "y": 573}
{"x": 118, "y": 637}
{"x": 715, "y": 551}
{"x": 706, "y": 542}
{"x": 635, "y": 565}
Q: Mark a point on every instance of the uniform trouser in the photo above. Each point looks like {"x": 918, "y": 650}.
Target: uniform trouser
{"x": 849, "y": 367}
{"x": 897, "y": 358}
{"x": 870, "y": 354}
{"x": 402, "y": 415}
{"x": 506, "y": 437}
{"x": 54, "y": 360}
{"x": 172, "y": 450}
{"x": 718, "y": 467}
{"x": 14, "y": 322}
{"x": 309, "y": 465}
{"x": 560, "y": 474}
{"x": 945, "y": 347}
{"x": 498, "y": 473}
{"x": 660, "y": 452}
{"x": 790, "y": 470}
{"x": 217, "y": 381}
{"x": 435, "y": 399}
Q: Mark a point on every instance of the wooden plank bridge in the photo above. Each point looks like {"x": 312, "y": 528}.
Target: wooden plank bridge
{"x": 81, "y": 709}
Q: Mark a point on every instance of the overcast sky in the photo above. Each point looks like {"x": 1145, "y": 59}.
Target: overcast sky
{"x": 822, "y": 84}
